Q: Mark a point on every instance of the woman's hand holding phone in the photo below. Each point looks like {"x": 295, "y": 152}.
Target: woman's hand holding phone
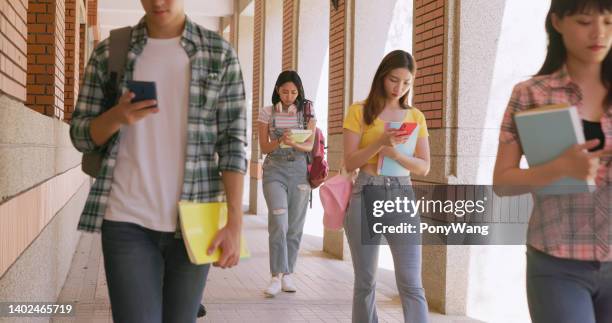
{"x": 392, "y": 137}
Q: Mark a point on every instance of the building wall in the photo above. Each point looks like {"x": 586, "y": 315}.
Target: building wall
{"x": 337, "y": 66}
{"x": 40, "y": 176}
{"x": 13, "y": 56}
{"x": 72, "y": 57}
{"x": 429, "y": 40}
{"x": 290, "y": 25}
{"x": 42, "y": 189}
{"x": 46, "y": 60}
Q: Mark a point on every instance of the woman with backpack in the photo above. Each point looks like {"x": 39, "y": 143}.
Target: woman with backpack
{"x": 365, "y": 139}
{"x": 285, "y": 179}
{"x": 569, "y": 238}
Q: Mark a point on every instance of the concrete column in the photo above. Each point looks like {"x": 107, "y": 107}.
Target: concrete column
{"x": 379, "y": 28}
{"x": 245, "y": 41}
{"x": 369, "y": 31}
{"x": 339, "y": 97}
{"x": 255, "y": 202}
{"x": 266, "y": 67}
{"x": 312, "y": 56}
{"x": 493, "y": 54}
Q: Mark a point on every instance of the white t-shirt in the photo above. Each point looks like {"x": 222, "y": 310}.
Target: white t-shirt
{"x": 148, "y": 176}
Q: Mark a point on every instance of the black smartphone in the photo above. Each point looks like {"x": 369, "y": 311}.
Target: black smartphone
{"x": 143, "y": 90}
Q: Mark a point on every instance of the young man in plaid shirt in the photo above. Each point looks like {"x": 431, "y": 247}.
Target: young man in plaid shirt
{"x": 189, "y": 146}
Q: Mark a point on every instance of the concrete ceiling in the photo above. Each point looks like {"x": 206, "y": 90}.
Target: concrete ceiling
{"x": 120, "y": 13}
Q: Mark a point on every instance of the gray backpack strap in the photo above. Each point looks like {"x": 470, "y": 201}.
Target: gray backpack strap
{"x": 119, "y": 44}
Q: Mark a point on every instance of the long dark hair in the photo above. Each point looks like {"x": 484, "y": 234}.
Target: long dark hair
{"x": 557, "y": 53}
{"x": 290, "y": 76}
{"x": 375, "y": 103}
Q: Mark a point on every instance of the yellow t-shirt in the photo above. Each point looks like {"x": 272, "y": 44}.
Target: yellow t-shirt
{"x": 354, "y": 122}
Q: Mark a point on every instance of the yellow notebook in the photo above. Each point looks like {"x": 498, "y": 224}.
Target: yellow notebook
{"x": 299, "y": 136}
{"x": 199, "y": 224}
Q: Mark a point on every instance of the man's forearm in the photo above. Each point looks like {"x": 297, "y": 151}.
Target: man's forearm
{"x": 103, "y": 127}
{"x": 233, "y": 182}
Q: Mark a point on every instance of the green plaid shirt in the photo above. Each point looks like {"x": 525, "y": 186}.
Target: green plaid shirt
{"x": 216, "y": 128}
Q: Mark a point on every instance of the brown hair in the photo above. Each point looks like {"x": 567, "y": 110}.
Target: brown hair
{"x": 375, "y": 102}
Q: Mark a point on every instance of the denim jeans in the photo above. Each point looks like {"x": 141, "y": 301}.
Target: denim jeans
{"x": 150, "y": 278}
{"x": 406, "y": 260}
{"x": 568, "y": 291}
{"x": 286, "y": 190}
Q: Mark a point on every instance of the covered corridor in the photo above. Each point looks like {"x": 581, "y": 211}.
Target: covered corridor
{"x": 325, "y": 287}
{"x": 335, "y": 45}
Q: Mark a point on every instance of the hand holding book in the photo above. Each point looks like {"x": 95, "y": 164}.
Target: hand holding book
{"x": 293, "y": 137}
{"x": 400, "y": 138}
{"x": 553, "y": 137}
{"x": 206, "y": 236}
{"x": 578, "y": 163}
{"x": 228, "y": 240}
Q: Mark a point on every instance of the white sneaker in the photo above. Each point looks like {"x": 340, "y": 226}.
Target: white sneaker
{"x": 274, "y": 287}
{"x": 288, "y": 284}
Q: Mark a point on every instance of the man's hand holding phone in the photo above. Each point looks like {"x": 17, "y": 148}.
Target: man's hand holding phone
{"x": 128, "y": 112}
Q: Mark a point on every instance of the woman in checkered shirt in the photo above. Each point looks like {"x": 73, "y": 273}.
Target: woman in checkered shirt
{"x": 569, "y": 252}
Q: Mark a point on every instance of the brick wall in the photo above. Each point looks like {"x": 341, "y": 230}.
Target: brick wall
{"x": 82, "y": 58}
{"x": 258, "y": 39}
{"x": 428, "y": 50}
{"x": 257, "y": 63}
{"x": 289, "y": 34}
{"x": 72, "y": 57}
{"x": 13, "y": 48}
{"x": 45, "y": 86}
{"x": 60, "y": 59}
{"x": 337, "y": 52}
{"x": 92, "y": 19}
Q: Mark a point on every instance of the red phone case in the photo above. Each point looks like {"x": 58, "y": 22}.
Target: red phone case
{"x": 406, "y": 128}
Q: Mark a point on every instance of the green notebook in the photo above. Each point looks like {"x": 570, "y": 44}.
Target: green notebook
{"x": 545, "y": 133}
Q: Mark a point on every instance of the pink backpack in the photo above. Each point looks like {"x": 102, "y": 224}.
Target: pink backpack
{"x": 317, "y": 165}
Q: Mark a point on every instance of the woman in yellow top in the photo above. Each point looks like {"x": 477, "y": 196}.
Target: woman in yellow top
{"x": 365, "y": 140}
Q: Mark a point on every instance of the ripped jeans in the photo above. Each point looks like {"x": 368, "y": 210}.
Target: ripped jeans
{"x": 286, "y": 190}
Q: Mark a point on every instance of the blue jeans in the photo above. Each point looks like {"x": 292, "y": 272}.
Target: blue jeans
{"x": 286, "y": 190}
{"x": 406, "y": 260}
{"x": 568, "y": 291}
{"x": 150, "y": 278}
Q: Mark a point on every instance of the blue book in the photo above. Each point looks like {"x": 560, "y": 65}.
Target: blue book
{"x": 388, "y": 166}
{"x": 545, "y": 133}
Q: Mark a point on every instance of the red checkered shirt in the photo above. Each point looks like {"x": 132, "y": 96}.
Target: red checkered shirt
{"x": 576, "y": 226}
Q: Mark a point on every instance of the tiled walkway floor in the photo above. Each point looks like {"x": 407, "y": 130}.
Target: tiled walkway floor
{"x": 235, "y": 295}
